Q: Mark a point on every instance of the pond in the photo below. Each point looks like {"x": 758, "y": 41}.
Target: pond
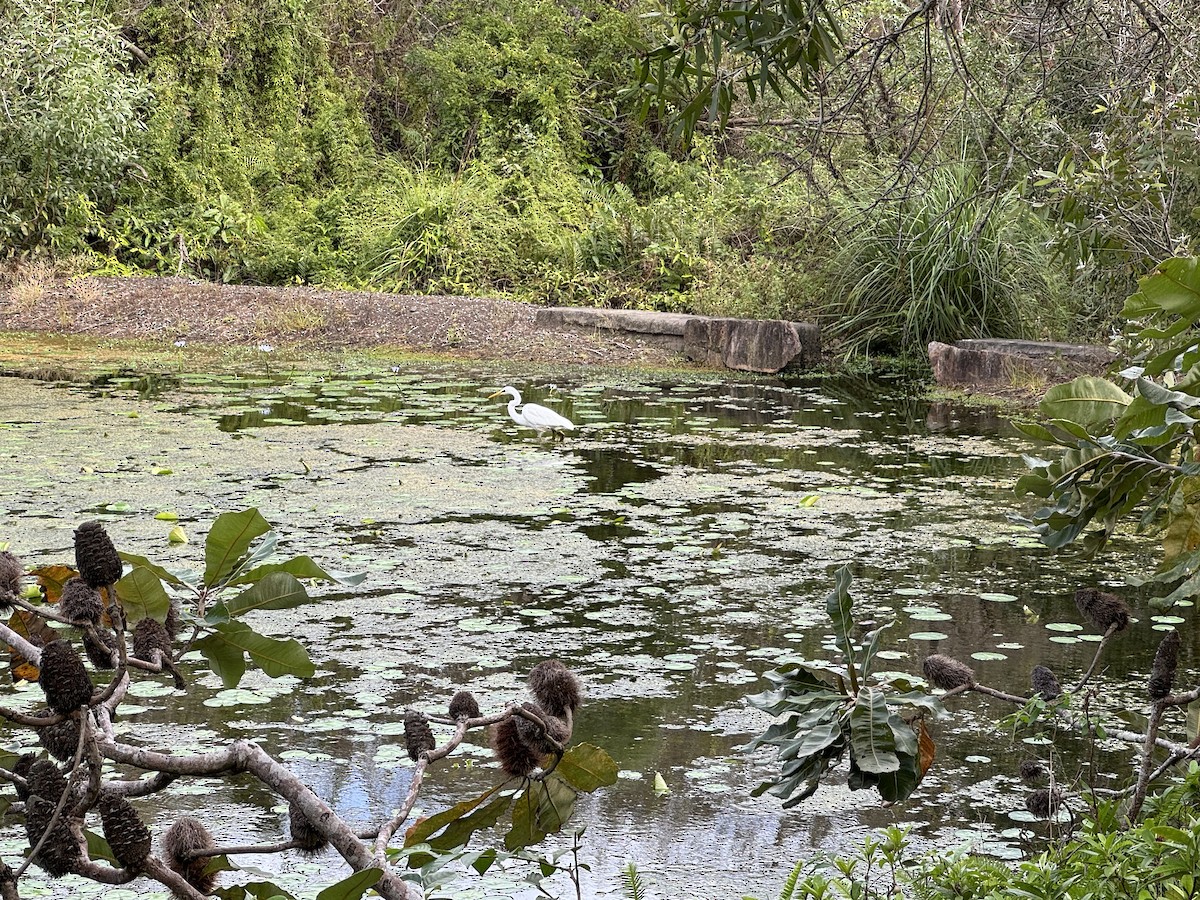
{"x": 672, "y": 550}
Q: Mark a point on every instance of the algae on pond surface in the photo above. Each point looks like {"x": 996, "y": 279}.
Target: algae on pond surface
{"x": 674, "y": 549}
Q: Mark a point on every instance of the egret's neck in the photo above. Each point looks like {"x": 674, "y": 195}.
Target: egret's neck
{"x": 512, "y": 405}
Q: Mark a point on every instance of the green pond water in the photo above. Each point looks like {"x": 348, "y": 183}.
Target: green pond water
{"x": 677, "y": 546}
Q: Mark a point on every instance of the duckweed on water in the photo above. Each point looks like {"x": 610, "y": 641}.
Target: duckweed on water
{"x": 664, "y": 551}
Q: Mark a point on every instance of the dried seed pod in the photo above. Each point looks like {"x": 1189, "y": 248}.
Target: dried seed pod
{"x": 1031, "y": 771}
{"x": 1102, "y": 609}
{"x": 186, "y": 836}
{"x": 61, "y": 740}
{"x": 80, "y": 602}
{"x": 1045, "y": 684}
{"x": 534, "y": 737}
{"x": 418, "y": 736}
{"x": 128, "y": 837}
{"x": 1044, "y": 802}
{"x": 150, "y": 636}
{"x": 46, "y": 780}
{"x": 8, "y": 881}
{"x": 11, "y": 572}
{"x": 172, "y": 621}
{"x": 1166, "y": 660}
{"x": 21, "y": 767}
{"x": 555, "y": 687}
{"x": 95, "y": 556}
{"x": 304, "y": 834}
{"x": 60, "y": 853}
{"x": 946, "y": 672}
{"x": 516, "y": 757}
{"x": 63, "y": 678}
{"x": 100, "y": 644}
{"x": 464, "y": 704}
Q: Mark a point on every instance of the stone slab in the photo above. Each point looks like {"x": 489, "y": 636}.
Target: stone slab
{"x": 748, "y": 345}
{"x": 989, "y": 363}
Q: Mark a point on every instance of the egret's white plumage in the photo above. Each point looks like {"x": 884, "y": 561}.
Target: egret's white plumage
{"x": 533, "y": 415}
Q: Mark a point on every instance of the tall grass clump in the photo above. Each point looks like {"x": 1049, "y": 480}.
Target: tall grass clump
{"x": 942, "y": 261}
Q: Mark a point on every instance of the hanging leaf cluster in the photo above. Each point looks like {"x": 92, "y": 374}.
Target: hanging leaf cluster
{"x": 715, "y": 49}
{"x": 1131, "y": 453}
{"x": 826, "y": 711}
{"x": 538, "y": 807}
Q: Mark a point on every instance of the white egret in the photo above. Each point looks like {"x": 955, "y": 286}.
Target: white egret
{"x": 533, "y": 415}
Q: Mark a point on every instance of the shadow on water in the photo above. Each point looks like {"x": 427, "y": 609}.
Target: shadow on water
{"x": 677, "y": 546}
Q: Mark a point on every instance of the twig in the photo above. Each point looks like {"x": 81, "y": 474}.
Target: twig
{"x": 247, "y": 848}
{"x": 1112, "y": 629}
{"x": 1143, "y": 782}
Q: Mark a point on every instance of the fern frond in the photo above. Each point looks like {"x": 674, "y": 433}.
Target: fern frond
{"x": 789, "y": 886}
{"x": 631, "y": 879}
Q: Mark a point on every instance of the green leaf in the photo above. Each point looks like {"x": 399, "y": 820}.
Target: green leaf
{"x": 278, "y": 590}
{"x": 543, "y": 809}
{"x": 871, "y": 737}
{"x": 840, "y": 608}
{"x": 587, "y": 768}
{"x": 98, "y": 848}
{"x": 274, "y": 657}
{"x": 301, "y": 567}
{"x": 1036, "y": 431}
{"x": 426, "y": 828}
{"x": 228, "y": 661}
{"x": 459, "y": 831}
{"x": 1173, "y": 288}
{"x": 142, "y": 595}
{"x": 1087, "y": 400}
{"x": 228, "y": 540}
{"x": 352, "y": 887}
{"x": 899, "y": 785}
{"x": 140, "y": 562}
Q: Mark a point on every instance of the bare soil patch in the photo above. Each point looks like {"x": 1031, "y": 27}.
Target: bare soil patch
{"x": 202, "y": 313}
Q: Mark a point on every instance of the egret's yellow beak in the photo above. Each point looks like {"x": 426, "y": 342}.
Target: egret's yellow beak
{"x": 495, "y": 395}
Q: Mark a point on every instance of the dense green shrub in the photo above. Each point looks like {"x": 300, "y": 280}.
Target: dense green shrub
{"x": 67, "y": 122}
{"x": 941, "y": 259}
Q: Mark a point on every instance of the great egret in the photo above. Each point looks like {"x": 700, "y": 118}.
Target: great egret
{"x": 532, "y": 415}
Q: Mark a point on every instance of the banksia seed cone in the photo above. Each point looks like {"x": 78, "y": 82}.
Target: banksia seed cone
{"x": 100, "y": 645}
{"x": 947, "y": 673}
{"x": 21, "y": 767}
{"x": 534, "y": 737}
{"x": 172, "y": 622}
{"x": 124, "y": 831}
{"x": 1031, "y": 771}
{"x": 1102, "y": 609}
{"x": 308, "y": 839}
{"x": 150, "y": 635}
{"x": 1045, "y": 684}
{"x": 1162, "y": 673}
{"x": 63, "y": 678}
{"x": 417, "y": 734}
{"x": 61, "y": 740}
{"x": 1043, "y": 802}
{"x": 46, "y": 780}
{"x": 95, "y": 556}
{"x": 60, "y": 852}
{"x": 555, "y": 687}
{"x": 11, "y": 572}
{"x": 80, "y": 602}
{"x": 184, "y": 837}
{"x": 516, "y": 757}
{"x": 464, "y": 704}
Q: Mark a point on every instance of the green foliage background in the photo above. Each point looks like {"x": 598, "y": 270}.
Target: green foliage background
{"x": 505, "y": 148}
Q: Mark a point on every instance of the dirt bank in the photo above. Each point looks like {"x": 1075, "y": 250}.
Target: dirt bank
{"x": 200, "y": 313}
